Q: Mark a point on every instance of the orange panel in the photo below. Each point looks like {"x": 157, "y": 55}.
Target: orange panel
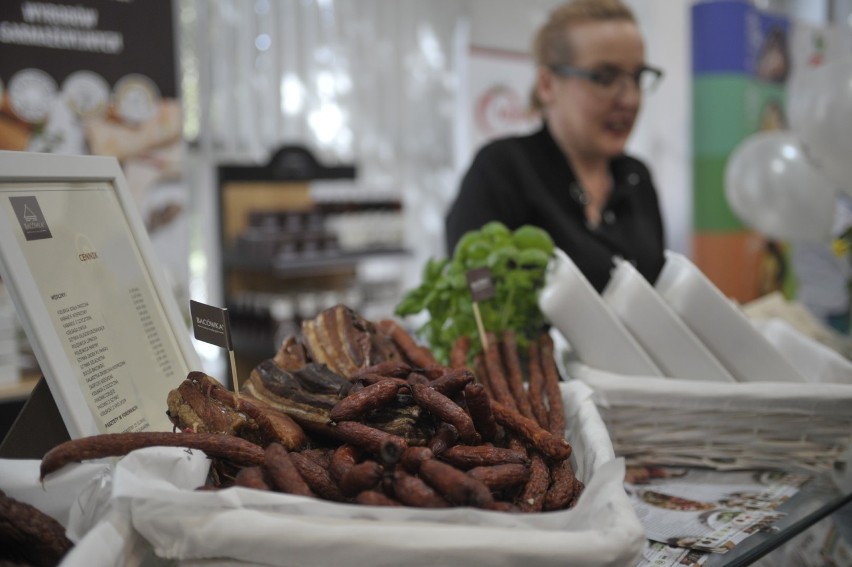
{"x": 743, "y": 265}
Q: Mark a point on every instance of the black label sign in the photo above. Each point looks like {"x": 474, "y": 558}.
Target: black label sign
{"x": 30, "y": 217}
{"x": 211, "y": 324}
{"x": 480, "y": 284}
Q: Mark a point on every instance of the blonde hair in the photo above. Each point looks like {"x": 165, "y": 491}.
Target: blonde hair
{"x": 552, "y": 43}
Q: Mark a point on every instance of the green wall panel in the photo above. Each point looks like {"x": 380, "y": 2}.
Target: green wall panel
{"x": 710, "y": 209}
{"x": 728, "y": 108}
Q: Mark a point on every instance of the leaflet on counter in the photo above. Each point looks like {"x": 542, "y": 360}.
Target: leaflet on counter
{"x": 658, "y": 554}
{"x": 706, "y": 510}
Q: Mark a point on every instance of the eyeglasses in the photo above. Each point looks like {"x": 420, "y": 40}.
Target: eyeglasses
{"x": 612, "y": 80}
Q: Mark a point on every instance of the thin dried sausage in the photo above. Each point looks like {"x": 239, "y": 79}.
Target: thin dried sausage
{"x": 214, "y": 445}
{"x": 561, "y": 489}
{"x": 412, "y": 491}
{"x": 478, "y": 404}
{"x": 445, "y": 437}
{"x": 553, "y": 447}
{"x": 29, "y": 535}
{"x": 459, "y": 352}
{"x": 531, "y": 498}
{"x": 514, "y": 374}
{"x": 447, "y": 410}
{"x": 415, "y": 354}
{"x": 556, "y": 425}
{"x": 469, "y": 456}
{"x": 283, "y": 474}
{"x": 496, "y": 377}
{"x": 452, "y": 382}
{"x": 536, "y": 391}
{"x": 386, "y": 446}
{"x": 363, "y": 476}
{"x": 413, "y": 456}
{"x": 342, "y": 459}
{"x": 501, "y": 477}
{"x": 454, "y": 485}
{"x": 367, "y": 399}
{"x": 252, "y": 477}
{"x": 375, "y": 498}
{"x": 316, "y": 477}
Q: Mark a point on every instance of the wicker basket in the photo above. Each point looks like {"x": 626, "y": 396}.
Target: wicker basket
{"x": 767, "y": 412}
{"x": 722, "y": 425}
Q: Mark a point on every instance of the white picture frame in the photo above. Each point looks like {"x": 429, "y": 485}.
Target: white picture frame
{"x": 108, "y": 354}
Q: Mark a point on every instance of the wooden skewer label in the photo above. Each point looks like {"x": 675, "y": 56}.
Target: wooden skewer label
{"x": 212, "y": 325}
{"x": 481, "y": 288}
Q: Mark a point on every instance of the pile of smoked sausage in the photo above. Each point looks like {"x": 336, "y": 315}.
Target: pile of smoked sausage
{"x": 497, "y": 444}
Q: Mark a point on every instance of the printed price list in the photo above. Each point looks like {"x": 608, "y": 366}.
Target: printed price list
{"x": 84, "y": 334}
{"x": 152, "y": 336}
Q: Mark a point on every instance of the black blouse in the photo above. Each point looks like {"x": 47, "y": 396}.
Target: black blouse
{"x": 528, "y": 180}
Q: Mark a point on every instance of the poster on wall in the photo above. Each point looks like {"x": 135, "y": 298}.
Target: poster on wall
{"x": 99, "y": 77}
{"x": 741, "y": 87}
{"x": 738, "y": 88}
{"x": 498, "y": 105}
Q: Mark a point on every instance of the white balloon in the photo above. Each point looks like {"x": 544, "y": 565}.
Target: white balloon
{"x": 820, "y": 112}
{"x": 774, "y": 189}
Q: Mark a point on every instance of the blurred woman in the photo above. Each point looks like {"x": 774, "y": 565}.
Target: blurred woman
{"x": 571, "y": 177}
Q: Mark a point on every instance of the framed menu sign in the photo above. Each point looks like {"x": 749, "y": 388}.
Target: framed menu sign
{"x": 76, "y": 258}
